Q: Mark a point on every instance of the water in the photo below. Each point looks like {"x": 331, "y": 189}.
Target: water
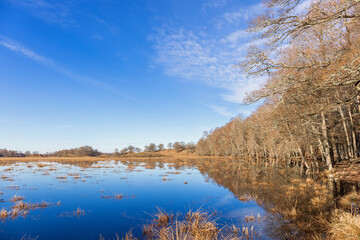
{"x": 175, "y": 188}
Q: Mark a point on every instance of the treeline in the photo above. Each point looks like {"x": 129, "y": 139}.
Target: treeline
{"x": 310, "y": 58}
{"x": 90, "y": 151}
{"x": 81, "y": 151}
{"x": 152, "y": 147}
{"x": 12, "y": 153}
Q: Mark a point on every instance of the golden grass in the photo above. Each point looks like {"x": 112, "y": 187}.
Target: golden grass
{"x": 196, "y": 225}
{"x": 119, "y": 196}
{"x": 21, "y": 208}
{"x": 249, "y": 218}
{"x": 345, "y": 226}
{"x": 16, "y": 198}
{"x": 4, "y": 213}
{"x": 128, "y": 236}
{"x": 79, "y": 212}
{"x": 349, "y": 201}
{"x": 62, "y": 177}
{"x": 165, "y": 155}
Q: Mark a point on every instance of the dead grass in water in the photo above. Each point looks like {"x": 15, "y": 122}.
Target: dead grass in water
{"x": 193, "y": 225}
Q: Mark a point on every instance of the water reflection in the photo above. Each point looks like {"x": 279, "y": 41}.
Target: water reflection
{"x": 109, "y": 197}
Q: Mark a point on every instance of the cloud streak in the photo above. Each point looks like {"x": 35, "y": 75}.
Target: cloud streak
{"x": 49, "y": 10}
{"x": 208, "y": 59}
{"x": 18, "y": 48}
{"x": 221, "y": 110}
{"x": 243, "y": 14}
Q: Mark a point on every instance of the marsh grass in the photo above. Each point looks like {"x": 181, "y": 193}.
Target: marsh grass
{"x": 350, "y": 202}
{"x": 4, "y": 213}
{"x": 128, "y": 236}
{"x": 75, "y": 213}
{"x": 249, "y": 218}
{"x": 16, "y": 198}
{"x": 177, "y": 172}
{"x": 345, "y": 225}
{"x": 13, "y": 187}
{"x": 21, "y": 208}
{"x": 118, "y": 196}
{"x": 199, "y": 225}
{"x": 62, "y": 177}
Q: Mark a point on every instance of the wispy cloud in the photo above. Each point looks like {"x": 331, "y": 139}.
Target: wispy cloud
{"x": 221, "y": 110}
{"x": 243, "y": 14}
{"x": 214, "y": 4}
{"x": 18, "y": 48}
{"x": 13, "y": 46}
{"x": 49, "y": 10}
{"x": 208, "y": 59}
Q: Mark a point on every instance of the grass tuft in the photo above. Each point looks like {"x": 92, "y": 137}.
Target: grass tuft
{"x": 345, "y": 226}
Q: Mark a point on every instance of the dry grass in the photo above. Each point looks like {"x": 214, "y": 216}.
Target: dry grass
{"x": 245, "y": 198}
{"x": 75, "y": 213}
{"x": 195, "y": 225}
{"x": 16, "y": 198}
{"x": 165, "y": 155}
{"x": 21, "y": 208}
{"x": 62, "y": 177}
{"x": 4, "y": 213}
{"x": 345, "y": 226}
{"x": 177, "y": 172}
{"x": 79, "y": 212}
{"x": 128, "y": 236}
{"x": 350, "y": 201}
{"x": 249, "y": 218}
{"x": 41, "y": 165}
{"x": 119, "y": 196}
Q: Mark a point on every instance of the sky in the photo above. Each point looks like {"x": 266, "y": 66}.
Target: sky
{"x": 111, "y": 73}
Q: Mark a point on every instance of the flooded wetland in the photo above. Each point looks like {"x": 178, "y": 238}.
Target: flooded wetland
{"x": 152, "y": 199}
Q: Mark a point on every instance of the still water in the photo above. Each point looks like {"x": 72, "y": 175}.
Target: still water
{"x": 142, "y": 188}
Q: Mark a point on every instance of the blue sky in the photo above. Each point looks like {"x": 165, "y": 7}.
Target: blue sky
{"x": 111, "y": 73}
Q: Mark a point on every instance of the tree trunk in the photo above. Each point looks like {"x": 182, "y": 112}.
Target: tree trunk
{"x": 348, "y": 145}
{"x": 326, "y": 142}
{"x": 353, "y": 133}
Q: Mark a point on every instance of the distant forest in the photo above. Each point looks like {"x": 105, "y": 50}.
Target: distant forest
{"x": 89, "y": 151}
{"x": 310, "y": 58}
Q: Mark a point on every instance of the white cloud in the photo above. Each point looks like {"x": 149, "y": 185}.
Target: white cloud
{"x": 243, "y": 14}
{"x": 214, "y": 3}
{"x": 18, "y": 48}
{"x": 235, "y": 36}
{"x": 207, "y": 59}
{"x": 49, "y": 10}
{"x": 209, "y": 56}
{"x": 221, "y": 110}
{"x": 13, "y": 46}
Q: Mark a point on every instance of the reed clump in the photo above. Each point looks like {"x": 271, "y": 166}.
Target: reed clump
{"x": 119, "y": 196}
{"x": 345, "y": 225}
{"x": 16, "y": 198}
{"x": 350, "y": 202}
{"x": 4, "y": 213}
{"x": 193, "y": 225}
